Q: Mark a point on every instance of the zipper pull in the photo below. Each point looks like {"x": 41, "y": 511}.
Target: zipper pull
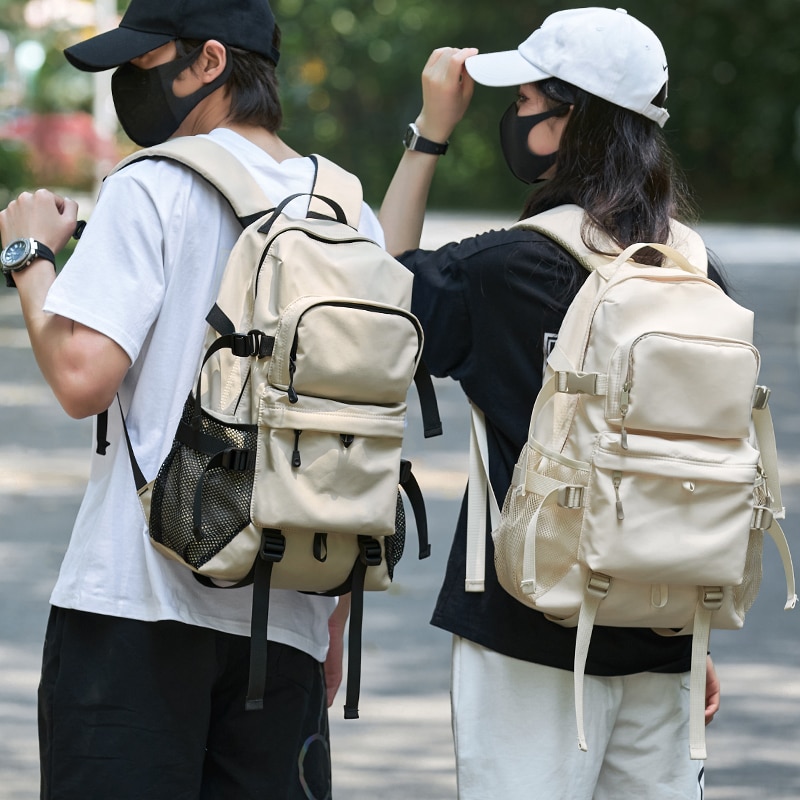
{"x": 624, "y": 397}
{"x": 347, "y": 439}
{"x": 616, "y": 478}
{"x": 290, "y": 391}
{"x": 296, "y": 451}
{"x": 624, "y": 400}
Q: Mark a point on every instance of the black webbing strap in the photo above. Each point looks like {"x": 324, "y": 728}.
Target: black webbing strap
{"x": 220, "y": 321}
{"x": 138, "y": 477}
{"x": 410, "y": 486}
{"x": 273, "y": 545}
{"x": 431, "y": 422}
{"x": 370, "y": 556}
{"x": 102, "y": 433}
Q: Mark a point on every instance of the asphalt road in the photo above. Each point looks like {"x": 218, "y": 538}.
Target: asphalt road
{"x": 401, "y": 747}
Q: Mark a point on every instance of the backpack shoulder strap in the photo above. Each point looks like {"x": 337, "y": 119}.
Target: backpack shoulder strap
{"x": 564, "y": 225}
{"x": 333, "y": 182}
{"x": 221, "y": 168}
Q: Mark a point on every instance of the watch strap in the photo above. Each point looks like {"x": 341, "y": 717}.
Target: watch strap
{"x": 414, "y": 141}
{"x": 39, "y": 250}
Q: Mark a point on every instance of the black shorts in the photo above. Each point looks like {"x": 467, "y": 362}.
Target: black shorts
{"x": 134, "y": 710}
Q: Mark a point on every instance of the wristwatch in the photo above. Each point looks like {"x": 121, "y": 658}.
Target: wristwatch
{"x": 19, "y": 254}
{"x": 413, "y": 141}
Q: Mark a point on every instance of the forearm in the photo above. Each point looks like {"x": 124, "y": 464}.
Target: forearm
{"x": 403, "y": 210}
{"x": 446, "y": 93}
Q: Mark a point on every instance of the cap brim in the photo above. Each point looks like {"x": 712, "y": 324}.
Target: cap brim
{"x": 508, "y": 68}
{"x": 112, "y": 48}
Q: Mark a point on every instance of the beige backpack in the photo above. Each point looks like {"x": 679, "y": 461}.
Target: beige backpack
{"x": 650, "y": 474}
{"x": 285, "y": 467}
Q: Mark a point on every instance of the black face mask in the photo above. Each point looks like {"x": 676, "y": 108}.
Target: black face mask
{"x": 514, "y": 131}
{"x": 148, "y": 110}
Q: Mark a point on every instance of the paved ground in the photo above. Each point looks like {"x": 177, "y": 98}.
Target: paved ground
{"x": 401, "y": 747}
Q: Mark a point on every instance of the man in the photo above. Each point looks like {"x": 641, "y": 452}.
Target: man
{"x": 145, "y": 670}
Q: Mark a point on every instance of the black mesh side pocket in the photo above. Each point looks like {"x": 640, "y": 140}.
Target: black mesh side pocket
{"x": 225, "y": 494}
{"x": 394, "y": 545}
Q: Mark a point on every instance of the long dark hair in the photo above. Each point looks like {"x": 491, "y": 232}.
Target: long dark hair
{"x": 252, "y": 85}
{"x": 616, "y": 165}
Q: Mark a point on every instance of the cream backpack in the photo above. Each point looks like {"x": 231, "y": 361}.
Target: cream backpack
{"x": 650, "y": 474}
{"x": 285, "y": 466}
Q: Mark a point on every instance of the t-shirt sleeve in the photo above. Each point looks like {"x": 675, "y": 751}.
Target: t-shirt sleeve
{"x": 114, "y": 281}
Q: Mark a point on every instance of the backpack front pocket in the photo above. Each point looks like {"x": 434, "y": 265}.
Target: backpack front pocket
{"x": 345, "y": 350}
{"x": 651, "y": 505}
{"x": 326, "y": 466}
{"x": 685, "y": 385}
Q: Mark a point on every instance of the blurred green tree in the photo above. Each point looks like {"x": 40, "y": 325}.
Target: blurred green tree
{"x": 350, "y": 84}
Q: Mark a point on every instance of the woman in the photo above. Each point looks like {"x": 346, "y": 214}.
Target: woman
{"x": 587, "y": 121}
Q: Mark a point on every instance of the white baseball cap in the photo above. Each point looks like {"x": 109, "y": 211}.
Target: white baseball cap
{"x": 607, "y": 53}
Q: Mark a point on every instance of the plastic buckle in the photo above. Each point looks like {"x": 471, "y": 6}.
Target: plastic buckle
{"x": 371, "y": 553}
{"x": 712, "y": 597}
{"x": 273, "y": 544}
{"x": 598, "y": 584}
{"x": 762, "y": 518}
{"x": 237, "y": 459}
{"x": 244, "y": 345}
{"x": 761, "y": 397}
{"x": 577, "y": 382}
{"x": 405, "y": 471}
{"x": 570, "y": 496}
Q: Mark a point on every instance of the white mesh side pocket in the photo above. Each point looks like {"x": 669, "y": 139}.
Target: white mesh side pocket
{"x": 548, "y": 535}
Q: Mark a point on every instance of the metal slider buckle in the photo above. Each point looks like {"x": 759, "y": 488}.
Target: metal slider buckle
{"x": 762, "y": 518}
{"x": 570, "y": 496}
{"x": 577, "y": 382}
{"x": 761, "y": 397}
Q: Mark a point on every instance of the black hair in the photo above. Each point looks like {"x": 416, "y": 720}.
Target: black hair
{"x": 252, "y": 85}
{"x": 616, "y": 165}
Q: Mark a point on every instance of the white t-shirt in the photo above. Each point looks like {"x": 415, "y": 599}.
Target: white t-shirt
{"x": 145, "y": 273}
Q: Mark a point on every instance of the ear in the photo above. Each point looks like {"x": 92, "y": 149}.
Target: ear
{"x": 211, "y": 62}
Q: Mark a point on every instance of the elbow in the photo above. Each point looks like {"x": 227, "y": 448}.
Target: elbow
{"x": 83, "y": 404}
{"x": 83, "y": 394}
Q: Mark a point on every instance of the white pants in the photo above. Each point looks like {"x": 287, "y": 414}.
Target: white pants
{"x": 516, "y": 738}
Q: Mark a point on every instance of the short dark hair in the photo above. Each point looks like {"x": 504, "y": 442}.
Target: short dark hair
{"x": 252, "y": 85}
{"x": 616, "y": 165}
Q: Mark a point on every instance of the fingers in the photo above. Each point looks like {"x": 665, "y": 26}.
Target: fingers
{"x": 41, "y": 215}
{"x": 446, "y": 91}
{"x": 713, "y": 691}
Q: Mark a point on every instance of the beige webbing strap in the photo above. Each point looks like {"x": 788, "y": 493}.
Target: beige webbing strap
{"x": 765, "y": 433}
{"x": 779, "y": 537}
{"x": 340, "y": 186}
{"x": 479, "y": 491}
{"x": 596, "y": 591}
{"x": 697, "y": 682}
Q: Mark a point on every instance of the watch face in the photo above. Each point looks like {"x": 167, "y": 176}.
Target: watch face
{"x": 16, "y": 253}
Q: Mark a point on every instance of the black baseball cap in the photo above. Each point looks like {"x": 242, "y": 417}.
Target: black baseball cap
{"x": 148, "y": 24}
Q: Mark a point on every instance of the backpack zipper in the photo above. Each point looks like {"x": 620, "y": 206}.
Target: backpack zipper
{"x": 616, "y": 479}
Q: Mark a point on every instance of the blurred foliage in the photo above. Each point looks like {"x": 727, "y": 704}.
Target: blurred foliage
{"x": 350, "y": 84}
{"x": 14, "y": 170}
{"x": 351, "y": 80}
